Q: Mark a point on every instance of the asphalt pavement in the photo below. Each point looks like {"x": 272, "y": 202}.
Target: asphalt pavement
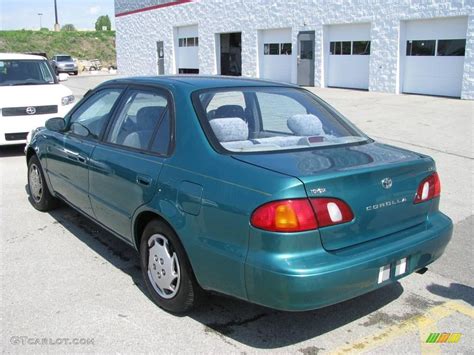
{"x": 69, "y": 286}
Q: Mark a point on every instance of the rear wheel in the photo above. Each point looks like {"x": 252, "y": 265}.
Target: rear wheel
{"x": 40, "y": 196}
{"x": 166, "y": 269}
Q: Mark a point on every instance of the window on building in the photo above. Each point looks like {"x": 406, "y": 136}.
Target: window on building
{"x": 346, "y": 48}
{"x": 285, "y": 49}
{"x": 451, "y": 47}
{"x": 188, "y": 42}
{"x": 306, "y": 49}
{"x": 361, "y": 47}
{"x": 421, "y": 48}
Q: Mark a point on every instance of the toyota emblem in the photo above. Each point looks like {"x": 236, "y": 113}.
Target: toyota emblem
{"x": 30, "y": 110}
{"x": 386, "y": 183}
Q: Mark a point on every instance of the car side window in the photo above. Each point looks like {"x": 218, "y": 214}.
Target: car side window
{"x": 92, "y": 115}
{"x": 138, "y": 118}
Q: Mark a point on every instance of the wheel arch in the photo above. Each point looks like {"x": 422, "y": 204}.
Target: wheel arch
{"x": 29, "y": 153}
{"x": 141, "y": 221}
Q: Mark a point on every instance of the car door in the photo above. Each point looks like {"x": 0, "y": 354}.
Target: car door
{"x": 125, "y": 166}
{"x": 69, "y": 152}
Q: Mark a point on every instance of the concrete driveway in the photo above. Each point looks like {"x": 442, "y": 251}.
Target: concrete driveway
{"x": 66, "y": 281}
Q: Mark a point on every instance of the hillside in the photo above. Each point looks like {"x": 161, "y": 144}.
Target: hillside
{"x": 78, "y": 44}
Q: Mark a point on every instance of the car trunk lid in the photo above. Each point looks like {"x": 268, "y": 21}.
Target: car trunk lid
{"x": 377, "y": 181}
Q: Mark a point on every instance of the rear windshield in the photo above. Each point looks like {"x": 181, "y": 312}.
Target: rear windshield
{"x": 64, "y": 58}
{"x": 255, "y": 119}
{"x": 25, "y": 72}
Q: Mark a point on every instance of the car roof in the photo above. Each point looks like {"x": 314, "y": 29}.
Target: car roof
{"x": 198, "y": 81}
{"x": 18, "y": 56}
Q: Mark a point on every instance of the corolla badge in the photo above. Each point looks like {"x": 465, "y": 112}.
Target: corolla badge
{"x": 386, "y": 183}
{"x": 386, "y": 204}
{"x": 30, "y": 110}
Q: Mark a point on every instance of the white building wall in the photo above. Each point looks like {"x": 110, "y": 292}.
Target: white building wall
{"x": 137, "y": 33}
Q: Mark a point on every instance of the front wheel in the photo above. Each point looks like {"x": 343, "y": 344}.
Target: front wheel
{"x": 40, "y": 196}
{"x": 166, "y": 269}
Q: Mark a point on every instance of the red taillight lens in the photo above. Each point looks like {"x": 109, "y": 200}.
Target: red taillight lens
{"x": 301, "y": 214}
{"x": 330, "y": 211}
{"x": 285, "y": 216}
{"x": 428, "y": 189}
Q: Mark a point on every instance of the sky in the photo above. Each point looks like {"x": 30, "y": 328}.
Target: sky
{"x": 19, "y": 14}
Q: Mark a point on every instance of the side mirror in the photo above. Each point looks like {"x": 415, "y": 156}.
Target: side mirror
{"x": 56, "y": 124}
{"x": 63, "y": 76}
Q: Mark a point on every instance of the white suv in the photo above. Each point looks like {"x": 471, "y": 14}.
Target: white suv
{"x": 29, "y": 95}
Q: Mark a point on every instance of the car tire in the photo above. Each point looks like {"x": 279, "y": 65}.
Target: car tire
{"x": 76, "y": 72}
{"x": 168, "y": 276}
{"x": 40, "y": 196}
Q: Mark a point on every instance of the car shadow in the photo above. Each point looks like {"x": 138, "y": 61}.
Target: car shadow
{"x": 12, "y": 151}
{"x": 226, "y": 317}
{"x": 454, "y": 291}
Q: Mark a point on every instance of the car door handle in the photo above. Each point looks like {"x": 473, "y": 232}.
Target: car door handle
{"x": 144, "y": 180}
{"x": 76, "y": 157}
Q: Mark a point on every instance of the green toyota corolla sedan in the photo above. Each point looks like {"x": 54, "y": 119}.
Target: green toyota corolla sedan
{"x": 254, "y": 189}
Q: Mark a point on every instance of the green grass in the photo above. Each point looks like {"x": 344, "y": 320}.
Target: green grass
{"x": 79, "y": 44}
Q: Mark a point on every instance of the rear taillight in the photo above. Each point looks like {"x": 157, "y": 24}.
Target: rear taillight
{"x": 428, "y": 189}
{"x": 299, "y": 215}
{"x": 285, "y": 216}
{"x": 330, "y": 211}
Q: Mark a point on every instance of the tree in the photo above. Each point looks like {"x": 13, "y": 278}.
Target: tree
{"x": 103, "y": 22}
{"x": 68, "y": 27}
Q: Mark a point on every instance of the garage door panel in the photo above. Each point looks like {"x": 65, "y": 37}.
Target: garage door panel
{"x": 349, "y": 71}
{"x": 350, "y": 32}
{"x": 439, "y": 28}
{"x": 441, "y": 72}
{"x": 187, "y": 56}
{"x": 435, "y": 75}
{"x": 275, "y": 67}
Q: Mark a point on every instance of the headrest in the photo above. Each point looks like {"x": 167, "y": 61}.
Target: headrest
{"x": 230, "y": 111}
{"x": 305, "y": 125}
{"x": 230, "y": 129}
{"x": 148, "y": 116}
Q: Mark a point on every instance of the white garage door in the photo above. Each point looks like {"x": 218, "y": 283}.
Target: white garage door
{"x": 348, "y": 57}
{"x": 434, "y": 56}
{"x": 187, "y": 59}
{"x": 275, "y": 54}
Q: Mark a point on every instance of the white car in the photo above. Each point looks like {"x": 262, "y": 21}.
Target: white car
{"x": 30, "y": 94}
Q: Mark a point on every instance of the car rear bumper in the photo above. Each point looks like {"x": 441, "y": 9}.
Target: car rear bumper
{"x": 310, "y": 280}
